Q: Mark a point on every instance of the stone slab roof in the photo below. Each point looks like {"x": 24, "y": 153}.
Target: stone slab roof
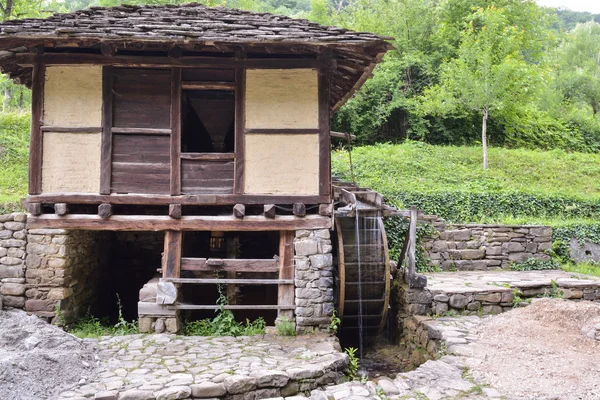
{"x": 195, "y": 28}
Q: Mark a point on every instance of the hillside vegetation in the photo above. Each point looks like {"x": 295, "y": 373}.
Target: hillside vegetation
{"x": 14, "y": 151}
{"x": 520, "y": 186}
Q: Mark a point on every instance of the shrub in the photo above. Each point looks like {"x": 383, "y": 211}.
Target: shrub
{"x": 534, "y": 264}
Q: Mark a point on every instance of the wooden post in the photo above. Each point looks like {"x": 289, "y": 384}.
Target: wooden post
{"x": 107, "y": 120}
{"x": 412, "y": 244}
{"x": 172, "y": 255}
{"x": 37, "y": 112}
{"x": 34, "y": 208}
{"x": 324, "y": 125}
{"x": 285, "y": 296}
{"x": 326, "y": 209}
{"x": 240, "y": 141}
{"x": 175, "y": 131}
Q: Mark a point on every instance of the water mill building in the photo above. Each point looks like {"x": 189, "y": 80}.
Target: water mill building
{"x": 178, "y": 149}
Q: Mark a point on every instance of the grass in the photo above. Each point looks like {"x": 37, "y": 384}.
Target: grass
{"x": 420, "y": 167}
{"x": 14, "y": 154}
{"x": 583, "y": 268}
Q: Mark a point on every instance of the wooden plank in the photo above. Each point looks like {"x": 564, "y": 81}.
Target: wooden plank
{"x": 285, "y": 294}
{"x": 342, "y": 135}
{"x": 412, "y": 244}
{"x": 165, "y": 200}
{"x": 165, "y": 62}
{"x": 229, "y": 264}
{"x": 208, "y": 75}
{"x": 175, "y": 131}
{"x": 198, "y": 176}
{"x": 37, "y": 112}
{"x": 325, "y": 130}
{"x": 299, "y": 209}
{"x": 341, "y": 269}
{"x": 104, "y": 211}
{"x": 172, "y": 254}
{"x": 142, "y": 98}
{"x": 186, "y": 223}
{"x": 71, "y": 129}
{"x": 231, "y": 307}
{"x": 239, "y": 211}
{"x": 210, "y": 281}
{"x": 240, "y": 116}
{"x": 269, "y": 210}
{"x": 107, "y": 139}
{"x": 61, "y": 209}
{"x": 387, "y": 274}
{"x": 195, "y": 85}
{"x": 142, "y": 131}
{"x": 208, "y": 156}
{"x": 287, "y": 131}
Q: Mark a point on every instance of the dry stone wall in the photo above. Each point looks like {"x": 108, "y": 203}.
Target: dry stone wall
{"x": 472, "y": 247}
{"x": 13, "y": 241}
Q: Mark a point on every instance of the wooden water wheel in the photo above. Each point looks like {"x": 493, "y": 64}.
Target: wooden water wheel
{"x": 363, "y": 287}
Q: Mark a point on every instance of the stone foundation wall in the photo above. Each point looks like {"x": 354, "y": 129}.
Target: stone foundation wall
{"x": 470, "y": 247}
{"x": 62, "y": 271}
{"x": 13, "y": 242}
{"x": 314, "y": 280}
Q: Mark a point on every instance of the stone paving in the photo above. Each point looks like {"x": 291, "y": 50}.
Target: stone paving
{"x": 168, "y": 367}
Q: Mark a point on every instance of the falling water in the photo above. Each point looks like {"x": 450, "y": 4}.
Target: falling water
{"x": 360, "y": 305}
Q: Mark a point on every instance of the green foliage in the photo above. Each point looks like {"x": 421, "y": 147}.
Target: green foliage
{"x": 396, "y": 230}
{"x": 92, "y": 327}
{"x": 354, "y": 364}
{"x": 334, "y": 323}
{"x": 224, "y": 323}
{"x": 14, "y": 156}
{"x": 285, "y": 327}
{"x": 534, "y": 264}
{"x": 587, "y": 268}
{"x": 562, "y": 234}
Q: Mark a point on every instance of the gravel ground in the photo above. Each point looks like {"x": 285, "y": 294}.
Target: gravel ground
{"x": 38, "y": 360}
{"x": 543, "y": 351}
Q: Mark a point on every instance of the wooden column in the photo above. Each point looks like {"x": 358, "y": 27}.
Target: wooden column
{"x": 107, "y": 119}
{"x": 37, "y": 113}
{"x": 175, "y": 131}
{"x": 240, "y": 141}
{"x": 171, "y": 267}
{"x": 324, "y": 126}
{"x": 285, "y": 296}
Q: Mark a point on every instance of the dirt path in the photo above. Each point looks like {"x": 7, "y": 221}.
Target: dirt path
{"x": 542, "y": 351}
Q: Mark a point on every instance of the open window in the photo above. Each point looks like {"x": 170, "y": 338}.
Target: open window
{"x": 207, "y": 131}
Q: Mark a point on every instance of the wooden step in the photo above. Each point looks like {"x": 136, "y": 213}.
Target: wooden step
{"x": 202, "y": 281}
{"x": 231, "y": 307}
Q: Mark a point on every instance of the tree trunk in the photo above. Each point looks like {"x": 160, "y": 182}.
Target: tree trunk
{"x": 594, "y": 107}
{"x": 484, "y": 144}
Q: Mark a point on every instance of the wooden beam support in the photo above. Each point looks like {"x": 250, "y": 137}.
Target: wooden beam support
{"x": 37, "y": 113}
{"x": 175, "y": 52}
{"x": 285, "y": 294}
{"x": 175, "y": 211}
{"x": 107, "y": 50}
{"x": 189, "y": 85}
{"x": 186, "y": 223}
{"x": 165, "y": 200}
{"x": 34, "y": 208}
{"x": 72, "y": 129}
{"x": 231, "y": 307}
{"x": 61, "y": 209}
{"x": 326, "y": 210}
{"x": 210, "y": 281}
{"x": 107, "y": 121}
{"x": 239, "y": 211}
{"x": 104, "y": 210}
{"x": 175, "y": 131}
{"x": 270, "y": 211}
{"x": 229, "y": 264}
{"x": 283, "y": 131}
{"x": 172, "y": 254}
{"x": 299, "y": 209}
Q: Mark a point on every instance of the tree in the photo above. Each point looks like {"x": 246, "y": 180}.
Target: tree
{"x": 488, "y": 75}
{"x": 578, "y": 72}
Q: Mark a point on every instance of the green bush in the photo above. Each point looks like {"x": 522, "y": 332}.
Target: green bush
{"x": 534, "y": 264}
{"x": 14, "y": 156}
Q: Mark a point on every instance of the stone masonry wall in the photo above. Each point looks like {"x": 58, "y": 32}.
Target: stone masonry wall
{"x": 469, "y": 247}
{"x": 313, "y": 279}
{"x": 13, "y": 239}
{"x": 61, "y": 271}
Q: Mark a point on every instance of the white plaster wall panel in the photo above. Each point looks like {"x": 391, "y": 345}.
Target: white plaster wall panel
{"x": 282, "y": 164}
{"x": 282, "y": 98}
{"x": 73, "y": 96}
{"x": 71, "y": 162}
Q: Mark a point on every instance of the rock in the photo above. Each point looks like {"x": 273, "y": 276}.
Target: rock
{"x": 135, "y": 394}
{"x": 106, "y": 395}
{"x": 208, "y": 389}
{"x": 489, "y": 297}
{"x": 512, "y": 247}
{"x": 159, "y": 325}
{"x": 270, "y": 378}
{"x": 14, "y": 226}
{"x": 388, "y": 386}
{"x": 461, "y": 235}
{"x": 441, "y": 297}
{"x": 306, "y": 247}
{"x": 166, "y": 293}
{"x": 174, "y": 393}
{"x": 13, "y": 301}
{"x": 458, "y": 301}
{"x": 12, "y": 289}
{"x": 472, "y": 254}
{"x": 239, "y": 384}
